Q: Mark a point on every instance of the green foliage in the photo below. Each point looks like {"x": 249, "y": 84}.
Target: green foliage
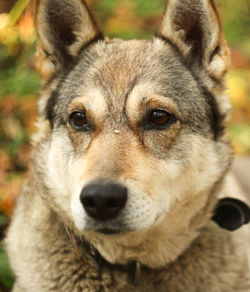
{"x": 235, "y": 17}
{"x": 6, "y": 276}
{"x": 3, "y": 220}
{"x": 16, "y": 76}
{"x": 148, "y": 8}
{"x": 12, "y": 146}
{"x": 17, "y": 10}
{"x": 106, "y": 7}
{"x": 240, "y": 134}
{"x": 18, "y": 81}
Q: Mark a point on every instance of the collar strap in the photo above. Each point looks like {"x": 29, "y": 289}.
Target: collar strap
{"x": 231, "y": 213}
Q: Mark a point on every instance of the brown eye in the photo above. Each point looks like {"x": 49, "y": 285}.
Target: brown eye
{"x": 160, "y": 117}
{"x": 78, "y": 120}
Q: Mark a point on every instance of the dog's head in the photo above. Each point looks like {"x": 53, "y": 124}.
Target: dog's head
{"x": 131, "y": 148}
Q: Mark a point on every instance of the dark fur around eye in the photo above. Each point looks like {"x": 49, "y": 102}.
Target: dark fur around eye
{"x": 159, "y": 119}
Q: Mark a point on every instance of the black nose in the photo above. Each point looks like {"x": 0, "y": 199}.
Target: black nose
{"x": 103, "y": 200}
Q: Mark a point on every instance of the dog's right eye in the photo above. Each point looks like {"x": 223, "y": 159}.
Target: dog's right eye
{"x": 78, "y": 121}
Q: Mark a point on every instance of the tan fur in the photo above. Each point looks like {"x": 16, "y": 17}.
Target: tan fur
{"x": 174, "y": 175}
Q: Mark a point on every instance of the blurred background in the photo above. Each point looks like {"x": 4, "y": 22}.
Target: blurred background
{"x": 19, "y": 81}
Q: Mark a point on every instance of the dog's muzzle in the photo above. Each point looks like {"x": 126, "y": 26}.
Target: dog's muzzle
{"x": 103, "y": 200}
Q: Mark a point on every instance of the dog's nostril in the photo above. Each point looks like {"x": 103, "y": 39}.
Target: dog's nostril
{"x": 103, "y": 200}
{"x": 89, "y": 203}
{"x": 111, "y": 203}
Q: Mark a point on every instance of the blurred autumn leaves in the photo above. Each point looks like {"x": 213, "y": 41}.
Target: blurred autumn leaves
{"x": 235, "y": 16}
{"x": 19, "y": 81}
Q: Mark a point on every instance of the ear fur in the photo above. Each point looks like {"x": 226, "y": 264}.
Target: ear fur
{"x": 193, "y": 26}
{"x": 64, "y": 27}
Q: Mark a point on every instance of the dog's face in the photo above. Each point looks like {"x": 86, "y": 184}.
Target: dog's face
{"x": 132, "y": 147}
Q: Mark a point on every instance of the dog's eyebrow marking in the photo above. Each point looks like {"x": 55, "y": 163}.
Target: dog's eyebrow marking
{"x": 92, "y": 100}
{"x": 128, "y": 93}
{"x": 146, "y": 95}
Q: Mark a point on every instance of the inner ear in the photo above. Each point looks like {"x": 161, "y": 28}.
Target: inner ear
{"x": 188, "y": 24}
{"x": 62, "y": 29}
{"x": 194, "y": 37}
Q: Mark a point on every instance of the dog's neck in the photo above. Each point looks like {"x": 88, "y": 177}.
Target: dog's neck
{"x": 134, "y": 268}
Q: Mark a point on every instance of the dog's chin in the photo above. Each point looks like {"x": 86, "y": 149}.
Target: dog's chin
{"x": 107, "y": 228}
{"x": 108, "y": 231}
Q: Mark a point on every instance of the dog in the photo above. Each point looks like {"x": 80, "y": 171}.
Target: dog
{"x": 130, "y": 160}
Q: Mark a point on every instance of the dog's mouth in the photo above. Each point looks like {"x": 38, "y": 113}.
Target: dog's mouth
{"x": 108, "y": 231}
{"x": 111, "y": 227}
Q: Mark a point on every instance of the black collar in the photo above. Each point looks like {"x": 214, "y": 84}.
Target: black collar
{"x": 231, "y": 213}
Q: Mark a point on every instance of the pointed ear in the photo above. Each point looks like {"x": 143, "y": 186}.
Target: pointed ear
{"x": 64, "y": 27}
{"x": 193, "y": 26}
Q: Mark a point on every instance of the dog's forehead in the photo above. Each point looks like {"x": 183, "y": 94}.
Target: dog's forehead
{"x": 116, "y": 67}
{"x": 120, "y": 65}
{"x": 119, "y": 62}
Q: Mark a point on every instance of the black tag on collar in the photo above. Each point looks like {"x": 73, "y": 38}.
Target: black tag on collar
{"x": 231, "y": 213}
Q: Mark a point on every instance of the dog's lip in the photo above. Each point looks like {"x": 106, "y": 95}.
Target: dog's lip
{"x": 108, "y": 231}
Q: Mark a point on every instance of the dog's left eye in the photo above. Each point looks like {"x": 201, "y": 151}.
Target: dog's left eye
{"x": 160, "y": 118}
{"x": 78, "y": 120}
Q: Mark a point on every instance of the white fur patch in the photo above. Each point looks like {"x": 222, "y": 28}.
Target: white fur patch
{"x": 77, "y": 210}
